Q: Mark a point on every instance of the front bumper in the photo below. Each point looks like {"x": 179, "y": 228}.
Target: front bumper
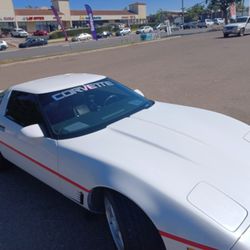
{"x": 233, "y": 31}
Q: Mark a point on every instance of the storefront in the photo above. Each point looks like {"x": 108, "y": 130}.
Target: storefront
{"x": 36, "y": 19}
{"x": 43, "y": 18}
{"x": 80, "y": 18}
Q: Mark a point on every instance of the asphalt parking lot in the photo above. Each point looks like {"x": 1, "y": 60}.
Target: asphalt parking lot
{"x": 202, "y": 70}
{"x": 56, "y": 47}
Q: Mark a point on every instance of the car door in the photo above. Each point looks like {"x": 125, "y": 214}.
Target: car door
{"x": 33, "y": 42}
{"x": 37, "y": 156}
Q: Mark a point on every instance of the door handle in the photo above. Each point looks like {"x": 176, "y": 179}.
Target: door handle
{"x": 2, "y": 128}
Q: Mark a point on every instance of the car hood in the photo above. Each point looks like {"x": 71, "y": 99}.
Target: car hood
{"x": 174, "y": 148}
{"x": 241, "y": 25}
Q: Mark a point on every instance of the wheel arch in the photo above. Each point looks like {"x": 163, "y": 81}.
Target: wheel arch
{"x": 96, "y": 203}
{"x": 96, "y": 198}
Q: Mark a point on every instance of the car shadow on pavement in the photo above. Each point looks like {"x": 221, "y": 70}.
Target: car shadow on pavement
{"x": 34, "y": 216}
{"x": 232, "y": 36}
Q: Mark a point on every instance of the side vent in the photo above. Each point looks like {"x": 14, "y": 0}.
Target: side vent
{"x": 79, "y": 197}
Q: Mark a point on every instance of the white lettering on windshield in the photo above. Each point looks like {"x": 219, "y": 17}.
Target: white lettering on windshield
{"x": 86, "y": 87}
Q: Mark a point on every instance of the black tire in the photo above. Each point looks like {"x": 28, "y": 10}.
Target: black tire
{"x": 136, "y": 230}
{"x": 242, "y": 32}
{"x": 225, "y": 35}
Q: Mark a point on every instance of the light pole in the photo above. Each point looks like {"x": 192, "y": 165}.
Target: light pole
{"x": 182, "y": 10}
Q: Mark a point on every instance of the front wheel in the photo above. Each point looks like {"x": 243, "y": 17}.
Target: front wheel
{"x": 225, "y": 35}
{"x": 242, "y": 32}
{"x": 130, "y": 228}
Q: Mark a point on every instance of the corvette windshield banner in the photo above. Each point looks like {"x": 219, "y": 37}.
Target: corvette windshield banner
{"x": 91, "y": 21}
{"x": 59, "y": 21}
{"x": 80, "y": 89}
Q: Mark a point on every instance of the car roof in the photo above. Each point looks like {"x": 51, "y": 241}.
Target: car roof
{"x": 55, "y": 83}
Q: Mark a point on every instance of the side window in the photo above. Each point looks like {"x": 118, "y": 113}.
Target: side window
{"x": 22, "y": 109}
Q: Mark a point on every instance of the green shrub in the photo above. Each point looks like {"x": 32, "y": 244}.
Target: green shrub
{"x": 75, "y": 32}
{"x": 71, "y": 32}
{"x": 135, "y": 26}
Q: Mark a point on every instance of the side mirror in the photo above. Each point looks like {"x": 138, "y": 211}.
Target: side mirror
{"x": 32, "y": 131}
{"x": 139, "y": 92}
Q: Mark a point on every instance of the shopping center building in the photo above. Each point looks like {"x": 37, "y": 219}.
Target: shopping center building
{"x": 32, "y": 19}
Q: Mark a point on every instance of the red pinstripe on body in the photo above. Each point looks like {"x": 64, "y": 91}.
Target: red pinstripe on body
{"x": 164, "y": 234}
{"x": 46, "y": 168}
{"x": 185, "y": 241}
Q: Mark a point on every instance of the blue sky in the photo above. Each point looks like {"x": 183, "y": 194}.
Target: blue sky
{"x": 153, "y": 5}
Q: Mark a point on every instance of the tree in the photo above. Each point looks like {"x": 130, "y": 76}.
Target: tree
{"x": 222, "y": 5}
{"x": 194, "y": 13}
{"x": 160, "y": 16}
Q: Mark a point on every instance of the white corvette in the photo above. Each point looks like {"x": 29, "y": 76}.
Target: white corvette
{"x": 167, "y": 176}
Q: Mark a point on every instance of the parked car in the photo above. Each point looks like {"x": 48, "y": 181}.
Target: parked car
{"x": 81, "y": 37}
{"x": 189, "y": 25}
{"x": 40, "y": 33}
{"x": 175, "y": 27}
{"x": 219, "y": 21}
{"x": 123, "y": 32}
{"x": 145, "y": 29}
{"x": 166, "y": 176}
{"x": 104, "y": 34}
{"x": 161, "y": 26}
{"x": 33, "y": 41}
{"x": 201, "y": 24}
{"x": 209, "y": 22}
{"x": 3, "y": 45}
{"x": 18, "y": 32}
{"x": 240, "y": 27}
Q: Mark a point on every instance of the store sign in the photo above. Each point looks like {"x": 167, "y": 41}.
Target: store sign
{"x": 94, "y": 17}
{"x": 35, "y": 18}
{"x": 8, "y": 18}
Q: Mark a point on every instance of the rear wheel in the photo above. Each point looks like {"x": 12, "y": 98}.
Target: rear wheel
{"x": 130, "y": 228}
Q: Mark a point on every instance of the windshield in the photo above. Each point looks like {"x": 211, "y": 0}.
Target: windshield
{"x": 241, "y": 20}
{"x": 87, "y": 108}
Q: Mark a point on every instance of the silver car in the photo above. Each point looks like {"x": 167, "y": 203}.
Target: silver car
{"x": 240, "y": 27}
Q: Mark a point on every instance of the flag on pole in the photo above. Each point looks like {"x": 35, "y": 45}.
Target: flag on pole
{"x": 91, "y": 21}
{"x": 59, "y": 21}
{"x": 233, "y": 10}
